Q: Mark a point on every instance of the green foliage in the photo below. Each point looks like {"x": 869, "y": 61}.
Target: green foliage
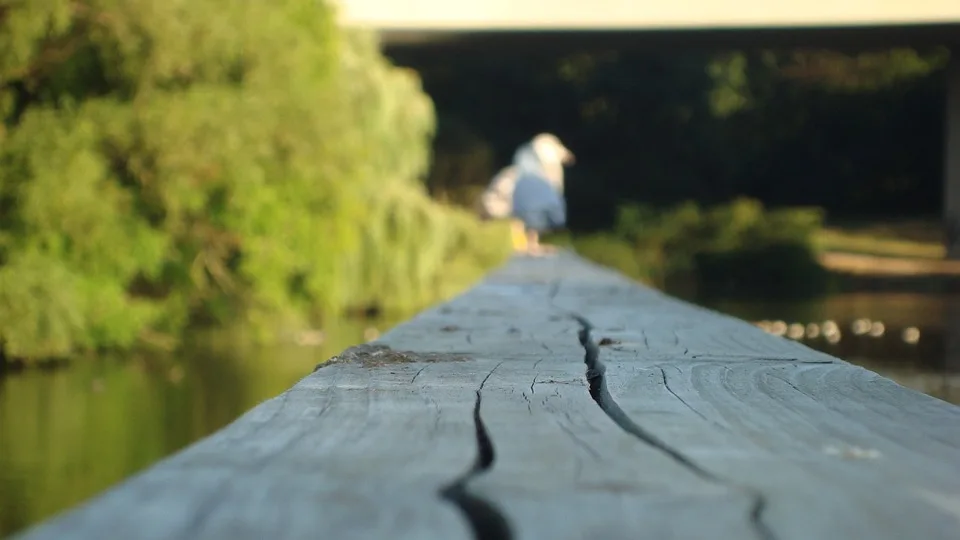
{"x": 821, "y": 69}
{"x": 738, "y": 246}
{"x": 865, "y": 71}
{"x": 730, "y": 84}
{"x": 172, "y": 163}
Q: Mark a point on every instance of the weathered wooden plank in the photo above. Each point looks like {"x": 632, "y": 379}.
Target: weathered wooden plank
{"x": 350, "y": 453}
{"x": 822, "y": 455}
{"x": 781, "y": 430}
{"x": 564, "y": 470}
{"x": 480, "y": 418}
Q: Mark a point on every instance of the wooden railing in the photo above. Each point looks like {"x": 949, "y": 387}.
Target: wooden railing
{"x": 559, "y": 400}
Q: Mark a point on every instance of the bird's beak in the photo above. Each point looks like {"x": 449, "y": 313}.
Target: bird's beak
{"x": 569, "y": 158}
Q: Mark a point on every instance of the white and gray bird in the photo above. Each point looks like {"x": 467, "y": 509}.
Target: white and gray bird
{"x": 530, "y": 191}
{"x": 544, "y": 155}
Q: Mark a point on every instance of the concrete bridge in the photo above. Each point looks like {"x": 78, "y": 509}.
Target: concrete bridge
{"x": 440, "y": 15}
{"x": 842, "y": 24}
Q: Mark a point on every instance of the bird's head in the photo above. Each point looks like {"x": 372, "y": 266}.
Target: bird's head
{"x": 548, "y": 147}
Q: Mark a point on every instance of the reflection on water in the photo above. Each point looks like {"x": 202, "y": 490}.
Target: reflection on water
{"x": 930, "y": 365}
{"x": 68, "y": 434}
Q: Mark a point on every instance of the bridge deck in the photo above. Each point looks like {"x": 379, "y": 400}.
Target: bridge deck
{"x": 620, "y": 14}
{"x": 480, "y": 419}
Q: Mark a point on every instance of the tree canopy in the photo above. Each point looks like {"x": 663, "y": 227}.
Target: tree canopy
{"x": 173, "y": 163}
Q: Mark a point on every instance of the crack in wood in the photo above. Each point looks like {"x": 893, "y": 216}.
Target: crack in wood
{"x": 578, "y": 441}
{"x": 436, "y": 415}
{"x": 486, "y": 521}
{"x": 554, "y": 289}
{"x": 754, "y": 358}
{"x": 601, "y": 395}
{"x": 666, "y": 384}
{"x": 791, "y": 385}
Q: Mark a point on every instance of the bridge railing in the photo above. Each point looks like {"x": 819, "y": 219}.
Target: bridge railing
{"x": 558, "y": 399}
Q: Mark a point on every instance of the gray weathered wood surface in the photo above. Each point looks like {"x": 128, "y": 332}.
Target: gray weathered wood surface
{"x": 498, "y": 416}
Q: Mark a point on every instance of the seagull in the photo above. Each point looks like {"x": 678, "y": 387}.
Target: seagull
{"x": 539, "y": 161}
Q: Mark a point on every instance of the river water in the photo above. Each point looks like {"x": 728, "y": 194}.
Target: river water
{"x": 68, "y": 434}
{"x": 919, "y": 346}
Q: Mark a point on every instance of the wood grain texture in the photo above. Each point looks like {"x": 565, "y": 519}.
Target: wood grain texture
{"x": 499, "y": 415}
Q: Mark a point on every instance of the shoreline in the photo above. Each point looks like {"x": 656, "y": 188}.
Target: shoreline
{"x": 887, "y": 266}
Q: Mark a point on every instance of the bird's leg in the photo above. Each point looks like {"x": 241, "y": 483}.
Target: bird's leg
{"x": 533, "y": 241}
{"x": 517, "y": 236}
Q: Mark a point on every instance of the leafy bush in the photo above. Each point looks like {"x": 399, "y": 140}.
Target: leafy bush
{"x": 168, "y": 164}
{"x": 739, "y": 246}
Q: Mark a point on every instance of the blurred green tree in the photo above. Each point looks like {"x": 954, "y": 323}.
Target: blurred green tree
{"x": 173, "y": 163}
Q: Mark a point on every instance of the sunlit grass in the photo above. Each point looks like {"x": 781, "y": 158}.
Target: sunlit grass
{"x": 910, "y": 239}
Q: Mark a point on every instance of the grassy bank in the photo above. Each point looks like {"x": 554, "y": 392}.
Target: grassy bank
{"x": 912, "y": 239}
{"x": 743, "y": 249}
{"x": 740, "y": 247}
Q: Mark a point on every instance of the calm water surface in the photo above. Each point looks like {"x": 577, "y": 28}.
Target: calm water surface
{"x": 68, "y": 434}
